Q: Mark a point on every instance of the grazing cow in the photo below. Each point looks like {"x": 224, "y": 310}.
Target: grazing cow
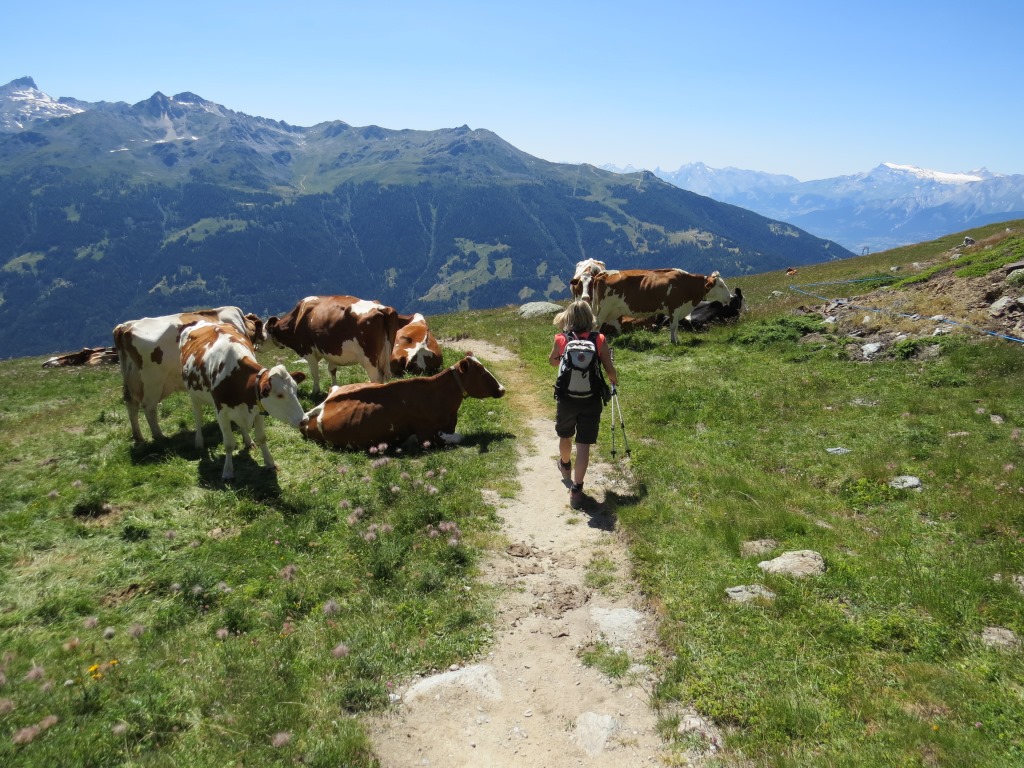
{"x": 87, "y": 356}
{"x": 219, "y": 368}
{"x": 585, "y": 270}
{"x": 708, "y": 312}
{"x": 646, "y": 292}
{"x": 147, "y": 350}
{"x": 416, "y": 350}
{"x": 342, "y": 330}
{"x": 365, "y": 415}
{"x": 969, "y": 240}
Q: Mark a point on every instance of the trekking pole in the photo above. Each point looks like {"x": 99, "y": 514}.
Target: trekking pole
{"x": 613, "y": 426}
{"x": 622, "y": 423}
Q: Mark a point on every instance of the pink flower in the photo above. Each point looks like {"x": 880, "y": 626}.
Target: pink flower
{"x": 35, "y": 673}
{"x": 119, "y": 729}
{"x": 6, "y": 706}
{"x": 288, "y": 572}
{"x": 344, "y": 504}
{"x": 26, "y": 735}
{"x": 71, "y": 644}
{"x": 281, "y": 738}
{"x": 90, "y": 622}
{"x": 331, "y": 607}
{"x": 340, "y": 651}
{"x": 171, "y": 535}
{"x": 136, "y": 630}
{"x": 222, "y": 633}
{"x": 48, "y": 722}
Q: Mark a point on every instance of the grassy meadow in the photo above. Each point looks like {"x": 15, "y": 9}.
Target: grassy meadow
{"x": 151, "y": 615}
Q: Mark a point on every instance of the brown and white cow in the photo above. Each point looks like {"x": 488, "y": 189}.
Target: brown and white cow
{"x": 147, "y": 350}
{"x": 219, "y": 368}
{"x": 86, "y": 356}
{"x": 646, "y": 292}
{"x": 342, "y": 330}
{"x": 585, "y": 270}
{"x": 416, "y": 350}
{"x": 427, "y": 407}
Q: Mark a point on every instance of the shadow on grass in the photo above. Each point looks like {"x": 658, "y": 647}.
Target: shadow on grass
{"x": 482, "y": 440}
{"x": 252, "y": 479}
{"x": 181, "y": 445}
{"x": 605, "y": 516}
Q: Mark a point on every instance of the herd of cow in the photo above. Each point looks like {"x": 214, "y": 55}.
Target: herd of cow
{"x": 211, "y": 354}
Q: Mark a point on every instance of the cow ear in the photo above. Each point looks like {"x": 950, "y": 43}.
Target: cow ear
{"x": 265, "y": 389}
{"x": 299, "y": 376}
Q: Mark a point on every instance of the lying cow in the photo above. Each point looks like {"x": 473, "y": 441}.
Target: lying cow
{"x": 86, "y": 356}
{"x": 364, "y": 415}
{"x": 342, "y": 330}
{"x": 147, "y": 350}
{"x": 646, "y": 292}
{"x": 708, "y": 312}
{"x": 585, "y": 270}
{"x": 219, "y": 368}
{"x": 416, "y": 350}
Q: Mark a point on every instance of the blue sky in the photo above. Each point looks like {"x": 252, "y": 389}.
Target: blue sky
{"x": 812, "y": 89}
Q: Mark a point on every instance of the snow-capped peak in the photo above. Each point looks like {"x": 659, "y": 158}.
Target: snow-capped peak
{"x": 21, "y": 103}
{"x": 940, "y": 177}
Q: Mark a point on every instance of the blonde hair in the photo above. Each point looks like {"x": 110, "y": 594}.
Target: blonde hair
{"x": 578, "y": 317}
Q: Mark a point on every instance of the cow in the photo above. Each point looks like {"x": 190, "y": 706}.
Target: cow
{"x": 219, "y": 368}
{"x": 147, "y": 350}
{"x": 585, "y": 270}
{"x": 86, "y": 356}
{"x": 969, "y": 240}
{"x": 366, "y": 415}
{"x": 708, "y": 312}
{"x": 415, "y": 350}
{"x": 646, "y": 292}
{"x": 342, "y": 330}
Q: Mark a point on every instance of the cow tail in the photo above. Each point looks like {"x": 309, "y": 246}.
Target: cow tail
{"x": 123, "y": 359}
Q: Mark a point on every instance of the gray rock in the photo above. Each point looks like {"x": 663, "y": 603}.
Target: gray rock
{"x": 618, "y": 625}
{"x": 747, "y": 593}
{"x": 477, "y": 680}
{"x": 539, "y": 308}
{"x": 999, "y": 637}
{"x": 758, "y": 547}
{"x": 692, "y": 722}
{"x": 905, "y": 482}
{"x": 594, "y": 730}
{"x": 872, "y": 349}
{"x": 803, "y": 562}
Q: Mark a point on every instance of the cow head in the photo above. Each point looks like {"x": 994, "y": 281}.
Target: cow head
{"x": 254, "y": 330}
{"x": 585, "y": 271}
{"x": 270, "y": 331}
{"x": 278, "y": 391}
{"x": 477, "y": 381}
{"x": 715, "y": 289}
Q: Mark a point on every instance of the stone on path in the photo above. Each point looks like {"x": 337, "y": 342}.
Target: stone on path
{"x": 618, "y": 625}
{"x": 477, "y": 680}
{"x": 594, "y": 730}
{"x": 803, "y": 562}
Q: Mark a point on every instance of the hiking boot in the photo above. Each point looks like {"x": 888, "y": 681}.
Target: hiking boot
{"x": 577, "y": 499}
{"x": 566, "y": 470}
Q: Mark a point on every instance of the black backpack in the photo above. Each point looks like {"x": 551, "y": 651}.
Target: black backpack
{"x": 579, "y": 372}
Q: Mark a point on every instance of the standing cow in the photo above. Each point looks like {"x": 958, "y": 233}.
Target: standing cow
{"x": 342, "y": 330}
{"x": 147, "y": 350}
{"x": 364, "y": 415}
{"x": 219, "y": 368}
{"x": 646, "y": 292}
{"x": 416, "y": 350}
{"x": 585, "y": 271}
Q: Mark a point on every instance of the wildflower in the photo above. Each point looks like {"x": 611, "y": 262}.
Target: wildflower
{"x": 342, "y": 470}
{"x": 977, "y": 725}
{"x": 365, "y": 478}
{"x": 136, "y": 630}
{"x": 194, "y": 543}
{"x": 373, "y": 449}
{"x": 395, "y": 489}
{"x": 453, "y": 542}
{"x": 71, "y": 644}
{"x": 331, "y": 607}
{"x": 48, "y": 722}
{"x": 90, "y": 622}
{"x": 197, "y": 590}
{"x": 222, "y": 633}
{"x": 53, "y": 494}
{"x": 6, "y": 706}
{"x": 432, "y": 490}
{"x": 404, "y": 476}
{"x": 175, "y": 587}
{"x": 119, "y": 729}
{"x": 287, "y": 628}
{"x": 222, "y": 586}
{"x": 426, "y": 444}
{"x": 35, "y": 673}
{"x": 344, "y": 504}
{"x": 108, "y": 633}
{"x": 442, "y": 471}
{"x": 429, "y": 473}
{"x": 386, "y": 528}
{"x": 281, "y": 738}
{"x": 340, "y": 651}
{"x": 76, "y": 484}
{"x": 352, "y": 519}
{"x": 417, "y": 483}
{"x": 170, "y": 535}
{"x": 370, "y": 536}
{"x": 288, "y": 572}
{"x": 26, "y": 735}
{"x": 432, "y": 532}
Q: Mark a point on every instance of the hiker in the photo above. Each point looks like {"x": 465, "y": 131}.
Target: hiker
{"x": 578, "y": 412}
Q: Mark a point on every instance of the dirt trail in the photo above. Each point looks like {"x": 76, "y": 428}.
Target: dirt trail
{"x": 531, "y": 701}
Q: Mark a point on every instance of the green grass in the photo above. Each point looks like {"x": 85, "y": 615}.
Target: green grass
{"x": 876, "y": 662}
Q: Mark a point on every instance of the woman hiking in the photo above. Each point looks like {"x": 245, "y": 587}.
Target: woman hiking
{"x": 579, "y": 391}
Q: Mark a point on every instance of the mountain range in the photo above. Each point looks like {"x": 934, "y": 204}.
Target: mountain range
{"x": 889, "y": 206}
{"x": 111, "y": 211}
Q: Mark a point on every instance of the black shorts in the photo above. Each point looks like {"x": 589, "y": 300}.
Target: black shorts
{"x": 581, "y": 418}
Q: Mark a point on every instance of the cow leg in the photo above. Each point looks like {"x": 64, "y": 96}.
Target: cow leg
{"x": 224, "y": 420}
{"x": 333, "y": 370}
{"x": 673, "y": 326}
{"x": 154, "y": 422}
{"x": 133, "y": 419}
{"x": 314, "y": 373}
{"x": 197, "y": 414}
{"x": 375, "y": 374}
{"x": 261, "y": 440}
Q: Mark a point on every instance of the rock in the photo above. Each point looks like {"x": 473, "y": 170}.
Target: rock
{"x": 872, "y": 349}
{"x": 758, "y": 547}
{"x": 618, "y": 625}
{"x": 838, "y": 451}
{"x": 1002, "y": 305}
{"x": 999, "y": 637}
{"x": 477, "y": 680}
{"x": 691, "y": 722}
{"x": 539, "y": 308}
{"x": 905, "y": 482}
{"x": 594, "y": 730}
{"x": 747, "y": 593}
{"x": 803, "y": 562}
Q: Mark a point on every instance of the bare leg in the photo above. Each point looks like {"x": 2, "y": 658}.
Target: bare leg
{"x": 565, "y": 449}
{"x": 582, "y": 462}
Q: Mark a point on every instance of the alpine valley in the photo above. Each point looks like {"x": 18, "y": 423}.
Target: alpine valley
{"x": 111, "y": 211}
